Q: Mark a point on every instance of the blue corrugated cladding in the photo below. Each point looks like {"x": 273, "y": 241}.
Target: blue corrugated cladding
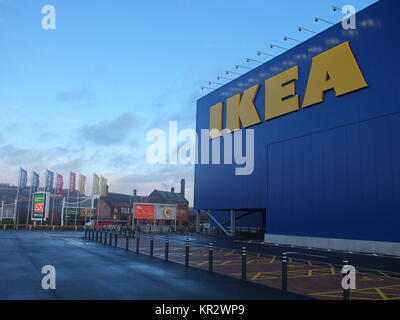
{"x": 331, "y": 170}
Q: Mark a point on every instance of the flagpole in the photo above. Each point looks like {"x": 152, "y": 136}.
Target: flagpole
{"x": 77, "y": 206}
{"x": 16, "y": 200}
{"x": 95, "y": 192}
{"x": 66, "y": 220}
{"x": 62, "y": 211}
{"x": 77, "y": 200}
{"x": 97, "y": 212}
{"x": 52, "y": 210}
{"x": 44, "y": 191}
{"x": 29, "y": 203}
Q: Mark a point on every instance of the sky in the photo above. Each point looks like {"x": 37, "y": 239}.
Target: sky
{"x": 83, "y": 96}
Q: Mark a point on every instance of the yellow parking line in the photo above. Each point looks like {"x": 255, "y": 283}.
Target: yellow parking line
{"x": 384, "y": 297}
{"x": 272, "y": 260}
{"x": 384, "y": 274}
{"x": 255, "y": 277}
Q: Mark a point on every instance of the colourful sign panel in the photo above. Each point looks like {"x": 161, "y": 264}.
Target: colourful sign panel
{"x": 39, "y": 206}
{"x": 144, "y": 211}
{"x": 155, "y": 211}
{"x": 165, "y": 212}
{"x": 87, "y": 213}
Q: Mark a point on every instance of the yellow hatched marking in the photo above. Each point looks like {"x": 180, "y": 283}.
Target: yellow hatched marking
{"x": 384, "y": 274}
{"x": 379, "y": 292}
{"x": 224, "y": 263}
{"x": 366, "y": 278}
{"x": 229, "y": 253}
{"x": 273, "y": 259}
{"x": 255, "y": 277}
{"x": 384, "y": 297}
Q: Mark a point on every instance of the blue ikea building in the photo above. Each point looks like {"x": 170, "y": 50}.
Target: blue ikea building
{"x": 327, "y": 165}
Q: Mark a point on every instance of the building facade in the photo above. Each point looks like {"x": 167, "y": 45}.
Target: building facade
{"x": 119, "y": 207}
{"x": 326, "y": 121}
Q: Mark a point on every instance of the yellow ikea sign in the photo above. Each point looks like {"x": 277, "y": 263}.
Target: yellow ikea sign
{"x": 335, "y": 69}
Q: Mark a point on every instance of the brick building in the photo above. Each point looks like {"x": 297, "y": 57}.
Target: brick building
{"x": 119, "y": 207}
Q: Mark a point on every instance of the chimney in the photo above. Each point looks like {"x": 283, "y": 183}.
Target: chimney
{"x": 172, "y": 189}
{"x": 134, "y": 192}
{"x": 183, "y": 187}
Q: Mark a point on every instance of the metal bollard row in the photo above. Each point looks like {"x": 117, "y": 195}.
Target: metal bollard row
{"x": 96, "y": 234}
{"x": 166, "y": 247}
{"x": 284, "y": 272}
{"x": 151, "y": 245}
{"x": 187, "y": 252}
{"x": 244, "y": 264}
{"x": 210, "y": 257}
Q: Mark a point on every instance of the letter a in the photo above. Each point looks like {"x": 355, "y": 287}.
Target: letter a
{"x": 335, "y": 69}
{"x": 49, "y": 20}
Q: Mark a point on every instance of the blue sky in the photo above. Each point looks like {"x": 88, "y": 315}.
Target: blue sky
{"x": 82, "y": 97}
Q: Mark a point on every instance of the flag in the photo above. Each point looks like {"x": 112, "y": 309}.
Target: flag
{"x": 103, "y": 187}
{"x": 35, "y": 181}
{"x": 72, "y": 182}
{"x": 59, "y": 184}
{"x": 49, "y": 181}
{"x": 81, "y": 185}
{"x": 96, "y": 185}
{"x": 22, "y": 179}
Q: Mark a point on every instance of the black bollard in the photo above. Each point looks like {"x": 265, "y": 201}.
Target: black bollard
{"x": 105, "y": 236}
{"x": 116, "y": 239}
{"x": 101, "y": 236}
{"x": 97, "y": 235}
{"x": 187, "y": 252}
{"x": 346, "y": 292}
{"x": 244, "y": 264}
{"x": 284, "y": 272}
{"x": 85, "y": 233}
{"x": 110, "y": 240}
{"x": 210, "y": 257}
{"x": 166, "y": 248}
{"x": 151, "y": 245}
{"x": 137, "y": 242}
{"x": 126, "y": 242}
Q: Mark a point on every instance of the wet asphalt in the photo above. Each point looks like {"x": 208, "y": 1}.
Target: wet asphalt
{"x": 86, "y": 270}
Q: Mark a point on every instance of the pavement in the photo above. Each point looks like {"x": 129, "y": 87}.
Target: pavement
{"x": 312, "y": 272}
{"x": 91, "y": 270}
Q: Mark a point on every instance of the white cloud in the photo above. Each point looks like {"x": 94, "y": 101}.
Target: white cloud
{"x": 109, "y": 132}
